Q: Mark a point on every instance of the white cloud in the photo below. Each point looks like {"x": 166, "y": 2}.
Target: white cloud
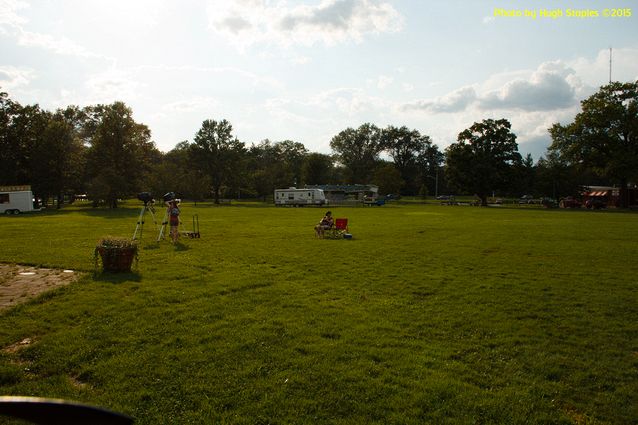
{"x": 407, "y": 87}
{"x": 384, "y": 81}
{"x": 249, "y": 22}
{"x": 595, "y": 73}
{"x": 532, "y": 100}
{"x": 543, "y": 91}
{"x": 9, "y": 15}
{"x": 12, "y": 24}
{"x": 552, "y": 86}
{"x": 110, "y": 86}
{"x": 12, "y": 78}
{"x": 455, "y": 101}
{"x": 230, "y": 75}
{"x": 59, "y": 45}
{"x": 190, "y": 105}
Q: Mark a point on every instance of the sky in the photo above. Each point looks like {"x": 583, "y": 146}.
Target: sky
{"x": 306, "y": 70}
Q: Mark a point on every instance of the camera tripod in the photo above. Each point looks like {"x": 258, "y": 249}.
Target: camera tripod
{"x": 148, "y": 207}
{"x": 162, "y": 230}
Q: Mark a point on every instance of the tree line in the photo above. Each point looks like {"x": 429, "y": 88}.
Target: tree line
{"x": 103, "y": 152}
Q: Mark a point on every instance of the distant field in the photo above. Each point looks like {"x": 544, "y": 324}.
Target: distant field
{"x": 431, "y": 314}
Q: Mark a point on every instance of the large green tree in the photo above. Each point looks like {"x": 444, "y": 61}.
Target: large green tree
{"x": 292, "y": 155}
{"x": 318, "y": 168}
{"x": 388, "y": 178}
{"x": 358, "y": 151}
{"x": 218, "y": 154}
{"x": 58, "y": 158}
{"x": 20, "y": 129}
{"x": 430, "y": 162}
{"x": 176, "y": 173}
{"x": 483, "y": 158}
{"x": 604, "y": 135}
{"x": 404, "y": 145}
{"x": 120, "y": 152}
{"x": 268, "y": 169}
{"x": 556, "y": 177}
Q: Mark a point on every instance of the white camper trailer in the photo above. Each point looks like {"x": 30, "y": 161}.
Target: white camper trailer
{"x": 14, "y": 200}
{"x": 299, "y": 197}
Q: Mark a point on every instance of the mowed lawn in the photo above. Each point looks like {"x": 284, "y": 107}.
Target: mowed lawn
{"x": 431, "y": 314}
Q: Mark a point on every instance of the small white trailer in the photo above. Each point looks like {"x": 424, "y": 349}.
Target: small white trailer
{"x": 299, "y": 197}
{"x": 16, "y": 202}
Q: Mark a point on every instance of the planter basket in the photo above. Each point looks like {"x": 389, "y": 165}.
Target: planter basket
{"x": 117, "y": 259}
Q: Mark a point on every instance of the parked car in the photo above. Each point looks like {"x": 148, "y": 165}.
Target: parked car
{"x": 549, "y": 203}
{"x": 570, "y": 202}
{"x": 528, "y": 199}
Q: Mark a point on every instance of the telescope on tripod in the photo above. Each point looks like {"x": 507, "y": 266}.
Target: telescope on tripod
{"x": 148, "y": 200}
{"x": 148, "y": 208}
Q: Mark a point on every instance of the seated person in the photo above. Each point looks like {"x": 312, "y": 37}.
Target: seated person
{"x": 326, "y": 223}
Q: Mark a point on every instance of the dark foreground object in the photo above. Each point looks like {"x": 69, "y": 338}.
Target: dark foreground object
{"x": 46, "y": 411}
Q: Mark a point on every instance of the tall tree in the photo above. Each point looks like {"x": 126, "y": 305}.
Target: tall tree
{"x": 555, "y": 176}
{"x": 604, "y": 135}
{"x": 293, "y": 154}
{"x": 358, "y": 150}
{"x": 388, "y": 178}
{"x": 119, "y": 153}
{"x": 176, "y": 173}
{"x": 318, "y": 168}
{"x": 525, "y": 178}
{"x": 483, "y": 158}
{"x": 430, "y": 161}
{"x": 55, "y": 154}
{"x": 404, "y": 146}
{"x": 276, "y": 165}
{"x": 268, "y": 169}
{"x": 20, "y": 128}
{"x": 217, "y": 153}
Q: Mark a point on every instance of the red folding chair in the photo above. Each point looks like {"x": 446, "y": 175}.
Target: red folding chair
{"x": 339, "y": 229}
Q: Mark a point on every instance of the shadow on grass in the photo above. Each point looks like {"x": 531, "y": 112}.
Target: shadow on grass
{"x": 180, "y": 246}
{"x": 117, "y": 277}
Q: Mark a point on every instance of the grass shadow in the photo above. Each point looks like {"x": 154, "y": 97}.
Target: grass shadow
{"x": 180, "y": 246}
{"x": 117, "y": 277}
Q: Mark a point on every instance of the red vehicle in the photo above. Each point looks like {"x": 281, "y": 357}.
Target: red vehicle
{"x": 570, "y": 202}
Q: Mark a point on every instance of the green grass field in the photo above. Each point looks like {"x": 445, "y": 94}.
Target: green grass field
{"x": 431, "y": 314}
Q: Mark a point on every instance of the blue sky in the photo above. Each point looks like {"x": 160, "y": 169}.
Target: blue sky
{"x": 305, "y": 70}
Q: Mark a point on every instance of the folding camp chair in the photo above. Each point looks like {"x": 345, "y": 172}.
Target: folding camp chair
{"x": 338, "y": 230}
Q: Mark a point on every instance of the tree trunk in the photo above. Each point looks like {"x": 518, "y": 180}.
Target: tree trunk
{"x": 216, "y": 194}
{"x": 624, "y": 194}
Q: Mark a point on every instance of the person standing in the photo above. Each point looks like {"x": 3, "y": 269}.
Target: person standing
{"x": 173, "y": 218}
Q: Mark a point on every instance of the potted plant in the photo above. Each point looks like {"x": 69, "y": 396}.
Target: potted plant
{"x": 117, "y": 254}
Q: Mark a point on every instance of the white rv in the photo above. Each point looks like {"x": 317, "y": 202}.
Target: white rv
{"x": 15, "y": 201}
{"x": 299, "y": 197}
